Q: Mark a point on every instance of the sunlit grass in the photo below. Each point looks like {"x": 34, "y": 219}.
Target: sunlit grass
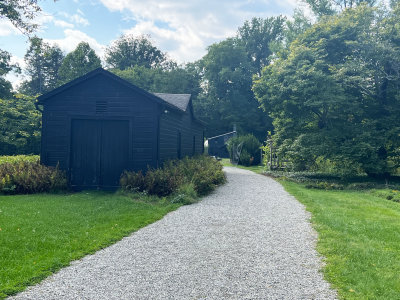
{"x": 359, "y": 235}
{"x": 41, "y": 233}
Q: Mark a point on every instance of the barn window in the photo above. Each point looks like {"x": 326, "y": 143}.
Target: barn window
{"x": 101, "y": 107}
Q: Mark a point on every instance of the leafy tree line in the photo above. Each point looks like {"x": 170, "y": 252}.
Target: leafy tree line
{"x": 334, "y": 95}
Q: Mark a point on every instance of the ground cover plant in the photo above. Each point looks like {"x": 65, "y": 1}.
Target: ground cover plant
{"x": 41, "y": 233}
{"x": 24, "y": 174}
{"x": 194, "y": 176}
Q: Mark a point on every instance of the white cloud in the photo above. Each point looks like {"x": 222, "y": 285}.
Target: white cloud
{"x": 185, "y": 28}
{"x": 6, "y": 28}
{"x": 75, "y": 18}
{"x": 72, "y": 38}
{"x": 63, "y": 24}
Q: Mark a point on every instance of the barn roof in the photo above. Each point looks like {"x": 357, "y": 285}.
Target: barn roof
{"x": 181, "y": 101}
{"x": 176, "y": 101}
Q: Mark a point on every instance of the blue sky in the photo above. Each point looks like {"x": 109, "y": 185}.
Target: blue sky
{"x": 182, "y": 28}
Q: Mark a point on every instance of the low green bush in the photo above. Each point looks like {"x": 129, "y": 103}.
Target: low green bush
{"x": 29, "y": 176}
{"x": 250, "y": 149}
{"x": 200, "y": 174}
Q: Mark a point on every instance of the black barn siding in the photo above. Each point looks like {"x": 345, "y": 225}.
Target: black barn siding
{"x": 153, "y": 124}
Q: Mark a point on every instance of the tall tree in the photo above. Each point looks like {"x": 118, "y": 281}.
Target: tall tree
{"x": 78, "y": 62}
{"x": 43, "y": 63}
{"x": 335, "y": 95}
{"x": 228, "y": 98}
{"x": 20, "y": 126}
{"x": 258, "y": 37}
{"x": 129, "y": 51}
{"x": 5, "y": 67}
{"x": 330, "y": 7}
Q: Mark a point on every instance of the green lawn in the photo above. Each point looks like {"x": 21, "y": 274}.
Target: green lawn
{"x": 359, "y": 235}
{"x": 41, "y": 233}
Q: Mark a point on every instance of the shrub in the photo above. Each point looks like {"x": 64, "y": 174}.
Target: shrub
{"x": 161, "y": 182}
{"x": 133, "y": 181}
{"x": 201, "y": 174}
{"x": 28, "y": 177}
{"x": 185, "y": 194}
{"x": 250, "y": 153}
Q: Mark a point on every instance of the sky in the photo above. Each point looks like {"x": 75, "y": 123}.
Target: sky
{"x": 182, "y": 28}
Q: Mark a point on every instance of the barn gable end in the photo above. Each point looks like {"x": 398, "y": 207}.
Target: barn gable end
{"x": 100, "y": 124}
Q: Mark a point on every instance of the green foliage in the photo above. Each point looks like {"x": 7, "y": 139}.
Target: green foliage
{"x": 78, "y": 62}
{"x": 130, "y": 51}
{"x": 185, "y": 194}
{"x": 334, "y": 95}
{"x": 163, "y": 181}
{"x": 332, "y": 181}
{"x": 250, "y": 149}
{"x": 228, "y": 99}
{"x": 5, "y": 67}
{"x": 42, "y": 66}
{"x": 60, "y": 228}
{"x": 19, "y": 126}
{"x": 27, "y": 176}
{"x": 322, "y": 8}
{"x": 257, "y": 36}
{"x": 19, "y": 158}
{"x": 179, "y": 80}
{"x": 19, "y": 13}
{"x": 203, "y": 172}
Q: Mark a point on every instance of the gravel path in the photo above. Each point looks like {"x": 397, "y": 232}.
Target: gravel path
{"x": 248, "y": 240}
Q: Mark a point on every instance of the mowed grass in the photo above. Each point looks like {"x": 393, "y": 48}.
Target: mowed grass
{"x": 359, "y": 235}
{"x": 41, "y": 233}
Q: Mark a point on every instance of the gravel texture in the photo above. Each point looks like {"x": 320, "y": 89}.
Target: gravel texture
{"x": 248, "y": 240}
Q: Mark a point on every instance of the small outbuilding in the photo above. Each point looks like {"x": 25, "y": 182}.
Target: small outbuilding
{"x": 217, "y": 144}
{"x": 99, "y": 125}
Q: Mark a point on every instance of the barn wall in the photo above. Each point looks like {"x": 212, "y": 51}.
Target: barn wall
{"x": 173, "y": 123}
{"x": 86, "y": 100}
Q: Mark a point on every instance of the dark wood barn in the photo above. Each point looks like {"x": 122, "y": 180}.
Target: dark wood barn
{"x": 217, "y": 144}
{"x": 99, "y": 125}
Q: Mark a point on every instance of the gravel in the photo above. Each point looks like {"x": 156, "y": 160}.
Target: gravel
{"x": 248, "y": 240}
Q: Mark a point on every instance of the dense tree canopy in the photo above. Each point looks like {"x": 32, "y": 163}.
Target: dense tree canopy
{"x": 336, "y": 94}
{"x": 228, "y": 99}
{"x": 78, "y": 62}
{"x": 20, "y": 126}
{"x": 130, "y": 51}
{"x": 180, "y": 80}
{"x": 5, "y": 67}
{"x": 42, "y": 66}
{"x": 257, "y": 36}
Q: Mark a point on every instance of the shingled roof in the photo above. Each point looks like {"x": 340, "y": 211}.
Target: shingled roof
{"x": 180, "y": 101}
